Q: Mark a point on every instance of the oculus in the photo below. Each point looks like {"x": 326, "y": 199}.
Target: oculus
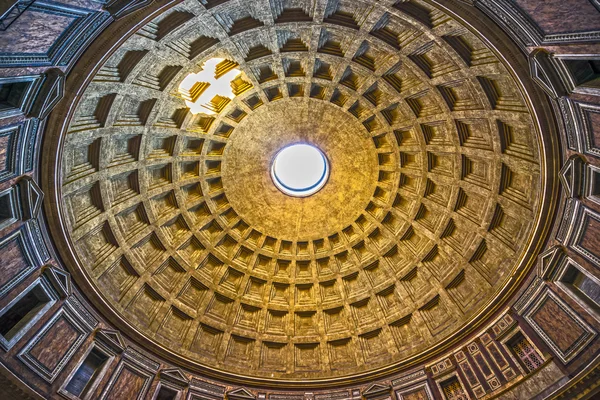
{"x": 300, "y": 170}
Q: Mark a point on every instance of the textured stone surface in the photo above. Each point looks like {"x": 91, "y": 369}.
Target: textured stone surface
{"x": 14, "y": 260}
{"x": 33, "y": 27}
{"x": 250, "y": 152}
{"x": 537, "y": 383}
{"x": 51, "y": 348}
{"x": 551, "y": 318}
{"x": 558, "y": 16}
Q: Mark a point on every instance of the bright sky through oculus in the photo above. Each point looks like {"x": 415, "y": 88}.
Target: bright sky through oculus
{"x": 300, "y": 170}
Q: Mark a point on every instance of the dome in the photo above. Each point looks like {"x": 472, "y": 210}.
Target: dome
{"x": 299, "y": 200}
{"x": 428, "y": 212}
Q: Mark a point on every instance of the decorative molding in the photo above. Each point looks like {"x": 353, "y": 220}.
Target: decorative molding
{"x": 525, "y": 298}
{"x": 503, "y": 325}
{"x": 565, "y": 229}
{"x": 240, "y": 394}
{"x": 545, "y": 72}
{"x": 20, "y": 148}
{"x": 591, "y": 36}
{"x": 121, "y": 8}
{"x": 286, "y": 396}
{"x": 174, "y": 376}
{"x": 569, "y": 117}
{"x": 31, "y": 127}
{"x": 524, "y": 31}
{"x": 409, "y": 392}
{"x": 339, "y": 395}
{"x": 31, "y": 197}
{"x": 60, "y": 280}
{"x": 198, "y": 387}
{"x": 111, "y": 339}
{"x": 442, "y": 367}
{"x": 12, "y": 164}
{"x": 38, "y": 244}
{"x": 81, "y": 35}
{"x": 51, "y": 92}
{"x": 550, "y": 262}
{"x": 87, "y": 318}
{"x": 141, "y": 360}
{"x": 572, "y": 176}
{"x": 409, "y": 378}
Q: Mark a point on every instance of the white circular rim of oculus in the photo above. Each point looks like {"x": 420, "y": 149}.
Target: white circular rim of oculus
{"x": 300, "y": 170}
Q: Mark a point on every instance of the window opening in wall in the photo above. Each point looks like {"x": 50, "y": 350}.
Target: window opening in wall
{"x": 594, "y": 184}
{"x": 585, "y": 72}
{"x": 16, "y": 317}
{"x": 164, "y": 393}
{"x": 582, "y": 286}
{"x": 453, "y": 390}
{"x": 87, "y": 374}
{"x": 12, "y": 94}
{"x": 7, "y": 208}
{"x": 527, "y": 354}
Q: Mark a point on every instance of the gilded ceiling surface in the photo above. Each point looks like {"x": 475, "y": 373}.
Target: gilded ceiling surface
{"x": 429, "y": 208}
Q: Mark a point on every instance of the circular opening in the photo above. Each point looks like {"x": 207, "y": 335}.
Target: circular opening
{"x": 300, "y": 170}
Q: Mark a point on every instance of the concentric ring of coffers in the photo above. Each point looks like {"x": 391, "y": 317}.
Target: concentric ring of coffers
{"x": 447, "y": 216}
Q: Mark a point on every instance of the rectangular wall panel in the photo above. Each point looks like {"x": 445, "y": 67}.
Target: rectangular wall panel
{"x": 558, "y": 325}
{"x": 16, "y": 263}
{"x": 54, "y": 345}
{"x": 586, "y": 238}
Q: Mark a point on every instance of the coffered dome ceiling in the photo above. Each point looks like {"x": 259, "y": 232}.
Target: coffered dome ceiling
{"x": 428, "y": 215}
